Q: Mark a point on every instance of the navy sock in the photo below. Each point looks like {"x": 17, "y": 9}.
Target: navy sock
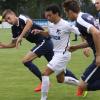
{"x": 69, "y": 73}
{"x": 34, "y": 69}
{"x": 94, "y": 86}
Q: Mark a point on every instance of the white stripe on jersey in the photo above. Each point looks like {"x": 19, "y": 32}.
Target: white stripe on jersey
{"x": 83, "y": 22}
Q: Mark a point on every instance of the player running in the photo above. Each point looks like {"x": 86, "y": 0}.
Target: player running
{"x": 89, "y": 30}
{"x": 59, "y": 31}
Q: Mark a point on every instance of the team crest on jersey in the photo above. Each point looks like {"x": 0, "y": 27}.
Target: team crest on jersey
{"x": 58, "y": 31}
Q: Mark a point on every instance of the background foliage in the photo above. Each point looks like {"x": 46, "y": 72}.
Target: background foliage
{"x": 35, "y": 8}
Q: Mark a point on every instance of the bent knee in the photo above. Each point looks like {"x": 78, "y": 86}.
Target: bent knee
{"x": 60, "y": 80}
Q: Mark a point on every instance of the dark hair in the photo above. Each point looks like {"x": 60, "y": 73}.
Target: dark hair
{"x": 7, "y": 11}
{"x": 71, "y": 5}
{"x": 54, "y": 8}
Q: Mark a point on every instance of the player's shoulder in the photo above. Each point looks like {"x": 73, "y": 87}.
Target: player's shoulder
{"x": 64, "y": 23}
{"x": 85, "y": 17}
{"x": 23, "y": 16}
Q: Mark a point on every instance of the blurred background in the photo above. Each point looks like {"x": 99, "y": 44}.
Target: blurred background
{"x": 35, "y": 8}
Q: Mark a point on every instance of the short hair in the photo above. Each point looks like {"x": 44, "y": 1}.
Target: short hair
{"x": 54, "y": 8}
{"x": 71, "y": 5}
{"x": 7, "y": 11}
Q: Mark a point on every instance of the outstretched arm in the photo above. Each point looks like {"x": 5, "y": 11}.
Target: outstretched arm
{"x": 10, "y": 45}
{"x": 76, "y": 47}
{"x": 43, "y": 32}
{"x": 96, "y": 37}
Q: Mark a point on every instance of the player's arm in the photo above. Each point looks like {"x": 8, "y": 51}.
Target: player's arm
{"x": 10, "y": 45}
{"x": 43, "y": 32}
{"x": 25, "y": 30}
{"x": 96, "y": 37}
{"x": 76, "y": 47}
{"x": 86, "y": 51}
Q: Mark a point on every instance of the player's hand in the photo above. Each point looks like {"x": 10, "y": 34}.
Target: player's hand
{"x": 18, "y": 42}
{"x": 98, "y": 60}
{"x": 1, "y": 47}
{"x": 72, "y": 48}
{"x": 36, "y": 31}
{"x": 86, "y": 51}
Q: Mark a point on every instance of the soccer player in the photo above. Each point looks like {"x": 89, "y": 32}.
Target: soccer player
{"x": 59, "y": 30}
{"x": 24, "y": 25}
{"x": 89, "y": 30}
{"x": 97, "y": 5}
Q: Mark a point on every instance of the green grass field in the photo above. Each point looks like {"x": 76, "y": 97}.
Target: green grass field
{"x": 18, "y": 83}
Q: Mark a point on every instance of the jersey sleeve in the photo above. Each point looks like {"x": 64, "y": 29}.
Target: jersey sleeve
{"x": 72, "y": 28}
{"x": 86, "y": 21}
{"x": 24, "y": 18}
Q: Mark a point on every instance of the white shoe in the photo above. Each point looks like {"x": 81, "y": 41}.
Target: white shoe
{"x": 43, "y": 98}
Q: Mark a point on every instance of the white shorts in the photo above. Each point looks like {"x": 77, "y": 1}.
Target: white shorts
{"x": 59, "y": 62}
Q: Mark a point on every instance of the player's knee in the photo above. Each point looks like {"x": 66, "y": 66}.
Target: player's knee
{"x": 60, "y": 80}
{"x": 25, "y": 61}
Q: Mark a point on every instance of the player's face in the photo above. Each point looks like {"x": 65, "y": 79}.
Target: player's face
{"x": 11, "y": 19}
{"x": 97, "y": 5}
{"x": 50, "y": 16}
{"x": 70, "y": 15}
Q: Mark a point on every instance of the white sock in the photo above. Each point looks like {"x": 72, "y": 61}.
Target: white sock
{"x": 45, "y": 87}
{"x": 71, "y": 81}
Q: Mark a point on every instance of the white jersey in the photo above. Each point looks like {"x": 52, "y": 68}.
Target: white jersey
{"x": 60, "y": 34}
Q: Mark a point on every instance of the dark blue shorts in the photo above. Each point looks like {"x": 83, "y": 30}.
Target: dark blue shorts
{"x": 91, "y": 74}
{"x": 45, "y": 49}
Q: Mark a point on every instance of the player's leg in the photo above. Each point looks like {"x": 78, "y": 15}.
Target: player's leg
{"x": 70, "y": 78}
{"x": 45, "y": 83}
{"x": 27, "y": 61}
{"x": 51, "y": 67}
{"x": 47, "y": 51}
{"x": 94, "y": 82}
{"x": 86, "y": 78}
{"x": 35, "y": 52}
{"x": 60, "y": 77}
{"x": 70, "y": 74}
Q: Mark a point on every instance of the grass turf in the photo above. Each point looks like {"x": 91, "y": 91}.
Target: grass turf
{"x": 17, "y": 83}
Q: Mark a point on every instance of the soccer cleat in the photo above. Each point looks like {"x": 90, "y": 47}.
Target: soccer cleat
{"x": 79, "y": 92}
{"x": 85, "y": 93}
{"x": 44, "y": 98}
{"x": 38, "y": 88}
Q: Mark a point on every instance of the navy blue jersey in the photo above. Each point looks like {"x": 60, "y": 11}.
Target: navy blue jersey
{"x": 84, "y": 22}
{"x": 17, "y": 30}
